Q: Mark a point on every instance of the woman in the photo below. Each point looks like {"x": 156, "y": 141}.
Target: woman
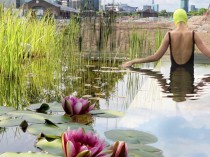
{"x": 181, "y": 42}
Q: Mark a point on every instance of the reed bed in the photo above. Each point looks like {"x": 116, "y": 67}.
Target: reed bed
{"x": 39, "y": 60}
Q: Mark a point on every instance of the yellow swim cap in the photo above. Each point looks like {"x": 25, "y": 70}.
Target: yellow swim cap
{"x": 180, "y": 15}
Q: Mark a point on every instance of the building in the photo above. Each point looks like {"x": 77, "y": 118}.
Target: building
{"x": 65, "y": 3}
{"x": 93, "y": 5}
{"x": 146, "y": 7}
{"x": 155, "y": 7}
{"x": 76, "y": 4}
{"x": 121, "y": 8}
{"x": 148, "y": 13}
{"x": 193, "y": 8}
{"x": 40, "y": 7}
{"x": 12, "y": 3}
{"x": 127, "y": 9}
{"x": 112, "y": 7}
{"x": 185, "y": 5}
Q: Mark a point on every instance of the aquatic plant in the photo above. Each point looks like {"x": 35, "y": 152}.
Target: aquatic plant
{"x": 77, "y": 143}
{"x": 119, "y": 149}
{"x": 73, "y": 105}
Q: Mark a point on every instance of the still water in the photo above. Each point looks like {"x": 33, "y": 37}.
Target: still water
{"x": 172, "y": 106}
{"x": 180, "y": 119}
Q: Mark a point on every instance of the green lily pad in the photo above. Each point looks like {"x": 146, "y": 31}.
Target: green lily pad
{"x": 36, "y": 129}
{"x": 131, "y": 136}
{"x": 106, "y": 113}
{"x": 34, "y": 117}
{"x": 143, "y": 147}
{"x": 53, "y": 130}
{"x": 53, "y": 107}
{"x": 10, "y": 122}
{"x": 5, "y": 117}
{"x": 59, "y": 119}
{"x": 27, "y": 155}
{"x": 29, "y": 116}
{"x": 4, "y": 109}
{"x": 54, "y": 147}
{"x": 142, "y": 153}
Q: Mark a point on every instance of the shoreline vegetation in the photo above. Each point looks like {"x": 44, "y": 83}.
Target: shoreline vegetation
{"x": 37, "y": 54}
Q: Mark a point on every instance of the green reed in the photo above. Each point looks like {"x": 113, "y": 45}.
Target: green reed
{"x": 29, "y": 48}
{"x": 158, "y": 38}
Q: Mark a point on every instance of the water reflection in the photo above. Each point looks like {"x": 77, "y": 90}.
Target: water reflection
{"x": 181, "y": 82}
{"x": 166, "y": 107}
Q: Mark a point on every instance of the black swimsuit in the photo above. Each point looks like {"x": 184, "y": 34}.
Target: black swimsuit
{"x": 189, "y": 63}
{"x": 182, "y": 75}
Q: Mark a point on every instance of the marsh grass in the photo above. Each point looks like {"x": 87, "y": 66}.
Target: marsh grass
{"x": 27, "y": 47}
{"x": 37, "y": 57}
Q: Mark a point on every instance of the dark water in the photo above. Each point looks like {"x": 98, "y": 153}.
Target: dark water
{"x": 174, "y": 106}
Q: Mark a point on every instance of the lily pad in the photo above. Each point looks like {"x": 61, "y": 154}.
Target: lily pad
{"x": 36, "y": 129}
{"x": 131, "y": 136}
{"x": 106, "y": 113}
{"x": 53, "y": 130}
{"x": 34, "y": 117}
{"x": 10, "y": 122}
{"x": 29, "y": 116}
{"x": 144, "y": 147}
{"x": 53, "y": 107}
{"x": 54, "y": 147}
{"x": 4, "y": 117}
{"x": 27, "y": 155}
{"x": 4, "y": 109}
{"x": 142, "y": 153}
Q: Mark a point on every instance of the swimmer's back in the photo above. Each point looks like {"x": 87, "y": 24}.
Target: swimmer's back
{"x": 182, "y": 45}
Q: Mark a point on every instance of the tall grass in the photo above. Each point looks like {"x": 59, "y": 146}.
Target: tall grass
{"x": 27, "y": 47}
{"x": 37, "y": 57}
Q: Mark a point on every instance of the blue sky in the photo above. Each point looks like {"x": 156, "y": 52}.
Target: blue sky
{"x": 169, "y": 5}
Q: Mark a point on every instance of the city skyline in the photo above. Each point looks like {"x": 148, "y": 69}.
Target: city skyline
{"x": 169, "y": 5}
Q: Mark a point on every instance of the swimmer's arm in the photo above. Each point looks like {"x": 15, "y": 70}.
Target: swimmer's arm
{"x": 201, "y": 46}
{"x": 159, "y": 53}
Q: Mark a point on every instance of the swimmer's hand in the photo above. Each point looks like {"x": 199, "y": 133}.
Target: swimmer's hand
{"x": 127, "y": 64}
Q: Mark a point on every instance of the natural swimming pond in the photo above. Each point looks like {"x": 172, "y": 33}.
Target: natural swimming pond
{"x": 152, "y": 102}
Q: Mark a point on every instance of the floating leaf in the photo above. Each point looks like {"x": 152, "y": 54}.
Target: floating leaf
{"x": 4, "y": 117}
{"x": 142, "y": 153}
{"x": 53, "y": 107}
{"x": 29, "y": 116}
{"x": 54, "y": 147}
{"x": 49, "y": 138}
{"x": 27, "y": 155}
{"x": 131, "y": 136}
{"x": 10, "y": 122}
{"x": 43, "y": 108}
{"x": 141, "y": 150}
{"x": 144, "y": 147}
{"x": 48, "y": 122}
{"x": 4, "y": 109}
{"x": 106, "y": 113}
{"x": 36, "y": 129}
{"x": 34, "y": 117}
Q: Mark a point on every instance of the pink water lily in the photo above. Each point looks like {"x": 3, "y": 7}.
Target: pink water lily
{"x": 77, "y": 143}
{"x": 119, "y": 149}
{"x": 73, "y": 105}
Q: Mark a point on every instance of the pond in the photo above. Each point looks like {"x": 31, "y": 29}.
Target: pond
{"x": 178, "y": 118}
